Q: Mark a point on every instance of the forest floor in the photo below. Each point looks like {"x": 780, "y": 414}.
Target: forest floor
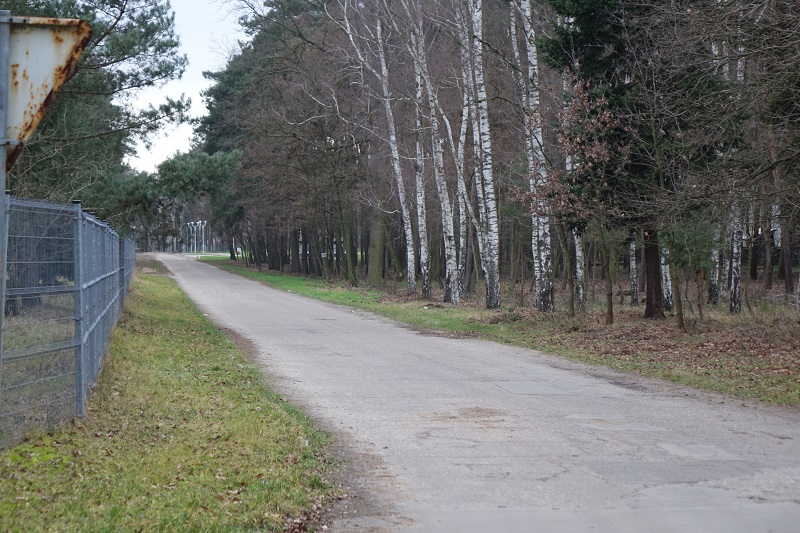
{"x": 753, "y": 355}
{"x": 750, "y": 356}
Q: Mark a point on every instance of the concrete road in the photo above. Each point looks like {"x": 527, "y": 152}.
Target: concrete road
{"x": 465, "y": 435}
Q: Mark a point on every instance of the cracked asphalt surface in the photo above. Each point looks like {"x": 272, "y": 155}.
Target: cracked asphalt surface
{"x": 465, "y": 435}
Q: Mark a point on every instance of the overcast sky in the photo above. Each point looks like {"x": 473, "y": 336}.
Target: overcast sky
{"x": 208, "y": 33}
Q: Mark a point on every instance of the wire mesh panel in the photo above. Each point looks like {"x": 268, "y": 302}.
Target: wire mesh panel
{"x": 66, "y": 278}
{"x": 37, "y": 385}
{"x": 100, "y": 298}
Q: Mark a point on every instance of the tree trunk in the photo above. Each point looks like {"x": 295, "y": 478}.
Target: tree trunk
{"x": 653, "y": 302}
{"x": 422, "y": 219}
{"x": 675, "y": 283}
{"x": 666, "y": 280}
{"x": 633, "y": 276}
{"x": 564, "y": 237}
{"x": 786, "y": 259}
{"x": 798, "y": 292}
{"x": 736, "y": 264}
{"x": 491, "y": 258}
{"x": 580, "y": 271}
{"x": 528, "y": 92}
{"x": 304, "y": 254}
{"x": 294, "y": 252}
{"x": 700, "y": 281}
{"x": 609, "y": 264}
{"x": 348, "y": 257}
{"x": 452, "y": 284}
{"x": 713, "y": 278}
{"x": 768, "y": 250}
{"x": 756, "y": 242}
{"x": 395, "y": 157}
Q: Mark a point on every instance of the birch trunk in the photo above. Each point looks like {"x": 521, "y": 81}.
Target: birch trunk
{"x": 666, "y": 279}
{"x": 422, "y": 218}
{"x": 580, "y": 274}
{"x": 491, "y": 252}
{"x": 452, "y": 285}
{"x": 457, "y": 152}
{"x": 528, "y": 92}
{"x": 736, "y": 264}
{"x": 634, "y": 276}
{"x": 713, "y": 275}
{"x": 411, "y": 269}
{"x": 382, "y": 75}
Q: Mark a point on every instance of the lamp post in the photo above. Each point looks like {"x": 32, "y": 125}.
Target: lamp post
{"x": 203, "y": 234}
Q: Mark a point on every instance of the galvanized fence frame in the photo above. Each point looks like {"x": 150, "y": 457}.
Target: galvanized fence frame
{"x": 65, "y": 279}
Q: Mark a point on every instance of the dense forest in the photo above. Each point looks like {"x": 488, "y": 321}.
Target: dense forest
{"x": 507, "y": 151}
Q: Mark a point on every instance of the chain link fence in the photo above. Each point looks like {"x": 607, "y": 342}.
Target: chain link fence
{"x": 66, "y": 276}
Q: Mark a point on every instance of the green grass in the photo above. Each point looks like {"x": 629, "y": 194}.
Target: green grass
{"x": 180, "y": 434}
{"x": 754, "y": 357}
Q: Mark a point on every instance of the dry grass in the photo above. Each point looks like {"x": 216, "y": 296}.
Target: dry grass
{"x": 180, "y": 435}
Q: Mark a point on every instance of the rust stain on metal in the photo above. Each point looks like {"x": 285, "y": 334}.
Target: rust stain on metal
{"x": 15, "y": 76}
{"x": 41, "y": 97}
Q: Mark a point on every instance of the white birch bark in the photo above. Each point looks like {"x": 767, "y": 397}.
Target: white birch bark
{"x": 457, "y": 151}
{"x": 713, "y": 277}
{"x": 774, "y": 224}
{"x": 422, "y": 218}
{"x": 452, "y": 285}
{"x": 666, "y": 279}
{"x": 382, "y": 75}
{"x": 736, "y": 264}
{"x": 580, "y": 274}
{"x": 492, "y": 261}
{"x": 724, "y": 286}
{"x": 469, "y": 120}
{"x": 528, "y": 92}
{"x": 465, "y": 213}
{"x": 634, "y": 277}
{"x": 411, "y": 269}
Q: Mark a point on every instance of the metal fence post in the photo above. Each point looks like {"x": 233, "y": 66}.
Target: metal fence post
{"x": 79, "y": 318}
{"x": 5, "y": 208}
{"x": 5, "y": 40}
{"x": 121, "y": 278}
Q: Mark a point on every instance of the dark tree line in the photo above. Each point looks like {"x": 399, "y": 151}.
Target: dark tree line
{"x": 507, "y": 148}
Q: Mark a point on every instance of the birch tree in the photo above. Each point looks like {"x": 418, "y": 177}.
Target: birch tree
{"x": 419, "y": 174}
{"x": 633, "y": 273}
{"x": 367, "y": 49}
{"x": 409, "y": 22}
{"x": 526, "y": 76}
{"x": 487, "y": 201}
{"x": 736, "y": 263}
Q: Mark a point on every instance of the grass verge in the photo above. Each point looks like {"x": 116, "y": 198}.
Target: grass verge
{"x": 180, "y": 434}
{"x": 755, "y": 355}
